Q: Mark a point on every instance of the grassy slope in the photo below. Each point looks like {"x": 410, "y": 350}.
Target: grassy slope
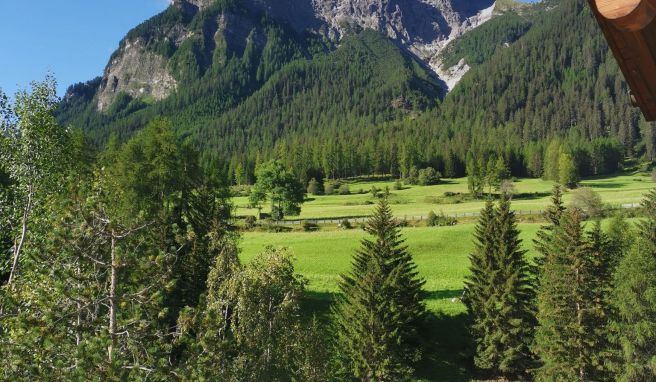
{"x": 415, "y": 200}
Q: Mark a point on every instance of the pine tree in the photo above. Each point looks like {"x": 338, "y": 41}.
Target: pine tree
{"x": 380, "y": 307}
{"x": 635, "y": 299}
{"x": 600, "y": 313}
{"x": 552, "y": 215}
{"x": 500, "y": 296}
{"x": 476, "y": 283}
{"x": 573, "y": 312}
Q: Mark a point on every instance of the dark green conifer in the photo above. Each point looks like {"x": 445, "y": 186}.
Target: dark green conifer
{"x": 380, "y": 307}
{"x": 500, "y": 296}
{"x": 635, "y": 299}
{"x": 571, "y": 338}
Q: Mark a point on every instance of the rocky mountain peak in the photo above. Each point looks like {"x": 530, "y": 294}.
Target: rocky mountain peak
{"x": 422, "y": 27}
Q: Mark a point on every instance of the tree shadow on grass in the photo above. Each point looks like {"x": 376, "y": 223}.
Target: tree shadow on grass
{"x": 317, "y": 304}
{"x": 447, "y": 349}
{"x": 443, "y": 294}
{"x": 603, "y": 185}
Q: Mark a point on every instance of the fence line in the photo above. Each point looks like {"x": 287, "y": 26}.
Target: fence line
{"x": 364, "y": 219}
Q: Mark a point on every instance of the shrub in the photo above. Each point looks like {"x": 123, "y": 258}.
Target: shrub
{"x": 412, "y": 176}
{"x": 309, "y": 226}
{"x": 344, "y": 189}
{"x": 277, "y": 213}
{"x": 314, "y": 187}
{"x": 589, "y": 202}
{"x": 270, "y": 226}
{"x": 250, "y": 222}
{"x": 440, "y": 220}
{"x": 345, "y": 224}
{"x": 507, "y": 187}
{"x": 330, "y": 187}
{"x": 404, "y": 223}
{"x": 432, "y": 219}
{"x": 375, "y": 192}
{"x": 428, "y": 176}
{"x": 398, "y": 185}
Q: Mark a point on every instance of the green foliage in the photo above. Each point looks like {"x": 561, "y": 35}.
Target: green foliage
{"x": 249, "y": 328}
{"x": 588, "y": 202}
{"x": 567, "y": 173}
{"x": 276, "y": 183}
{"x": 635, "y": 299}
{"x": 314, "y": 187}
{"x": 573, "y": 310}
{"x": 440, "y": 220}
{"x": 482, "y": 43}
{"x": 428, "y": 177}
{"x": 499, "y": 295}
{"x": 380, "y": 307}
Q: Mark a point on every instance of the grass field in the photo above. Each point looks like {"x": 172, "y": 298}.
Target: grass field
{"x": 441, "y": 253}
{"x": 419, "y": 200}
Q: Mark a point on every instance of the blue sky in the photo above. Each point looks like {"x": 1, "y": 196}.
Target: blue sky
{"x": 73, "y": 39}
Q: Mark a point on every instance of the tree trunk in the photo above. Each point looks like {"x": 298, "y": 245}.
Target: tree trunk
{"x": 19, "y": 246}
{"x": 112, "y": 300}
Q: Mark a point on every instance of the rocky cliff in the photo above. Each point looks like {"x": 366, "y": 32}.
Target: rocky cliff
{"x": 421, "y": 27}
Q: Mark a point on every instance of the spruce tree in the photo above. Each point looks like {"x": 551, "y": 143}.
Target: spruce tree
{"x": 476, "y": 283}
{"x": 573, "y": 312}
{"x": 500, "y": 296}
{"x": 552, "y": 215}
{"x": 635, "y": 299}
{"x": 380, "y": 307}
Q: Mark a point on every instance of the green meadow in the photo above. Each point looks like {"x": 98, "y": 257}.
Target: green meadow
{"x": 533, "y": 194}
{"x": 441, "y": 253}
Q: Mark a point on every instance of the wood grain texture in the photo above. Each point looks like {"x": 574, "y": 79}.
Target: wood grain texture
{"x": 635, "y": 52}
{"x": 630, "y": 15}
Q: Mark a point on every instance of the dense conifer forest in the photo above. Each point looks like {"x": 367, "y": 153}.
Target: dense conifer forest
{"x": 356, "y": 108}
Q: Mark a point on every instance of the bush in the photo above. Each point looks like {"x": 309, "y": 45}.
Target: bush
{"x": 398, "y": 185}
{"x": 404, "y": 223}
{"x": 308, "y": 226}
{"x": 277, "y": 213}
{"x": 250, "y": 222}
{"x": 345, "y": 224}
{"x": 428, "y": 176}
{"x": 432, "y": 219}
{"x": 440, "y": 220}
{"x": 507, "y": 187}
{"x": 314, "y": 187}
{"x": 589, "y": 202}
{"x": 375, "y": 192}
{"x": 330, "y": 188}
{"x": 270, "y": 226}
{"x": 412, "y": 176}
{"x": 344, "y": 189}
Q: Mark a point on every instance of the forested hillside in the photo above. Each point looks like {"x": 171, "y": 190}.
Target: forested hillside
{"x": 542, "y": 77}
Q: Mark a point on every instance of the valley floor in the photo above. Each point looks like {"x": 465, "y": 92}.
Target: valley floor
{"x": 441, "y": 253}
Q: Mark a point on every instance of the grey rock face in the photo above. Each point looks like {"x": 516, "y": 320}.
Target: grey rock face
{"x": 136, "y": 72}
{"x": 422, "y": 27}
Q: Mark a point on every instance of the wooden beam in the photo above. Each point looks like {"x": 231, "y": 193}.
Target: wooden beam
{"x": 634, "y": 47}
{"x": 630, "y": 15}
